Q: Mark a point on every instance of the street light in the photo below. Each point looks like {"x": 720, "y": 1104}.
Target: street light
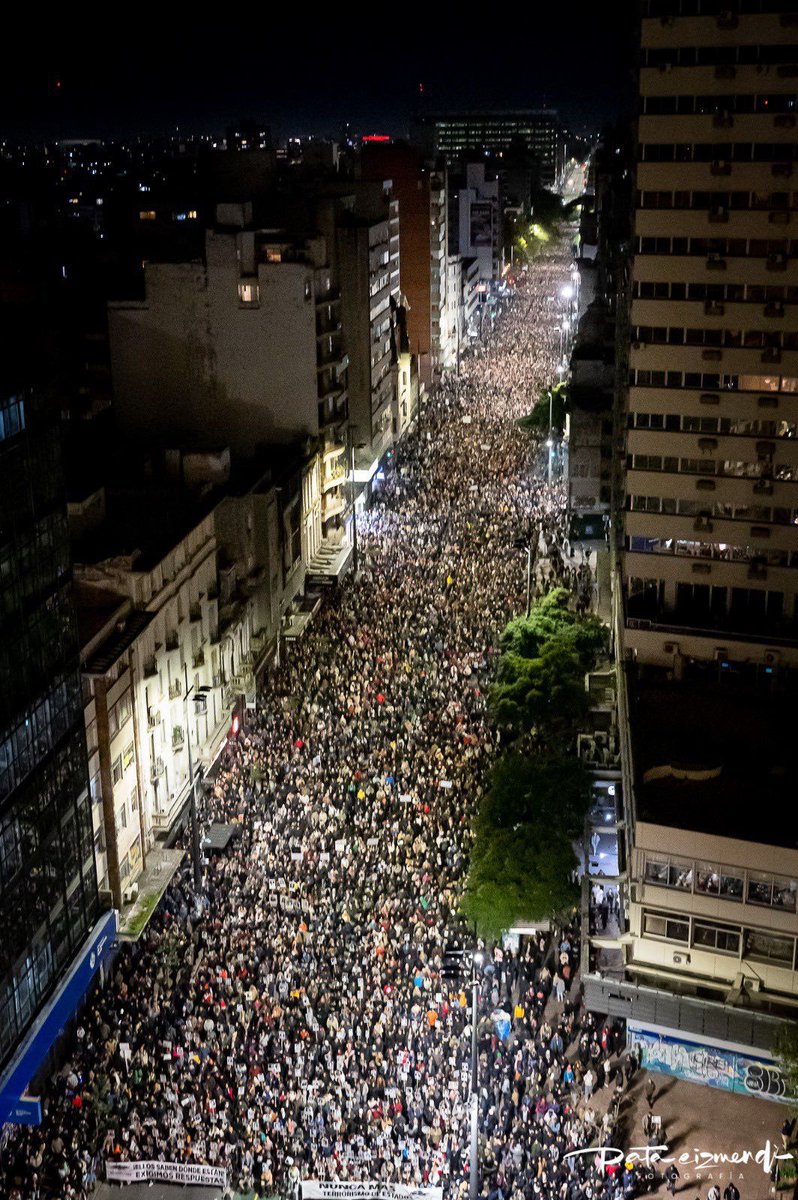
{"x": 200, "y": 705}
{"x": 526, "y": 544}
{"x": 473, "y": 1165}
{"x": 550, "y": 446}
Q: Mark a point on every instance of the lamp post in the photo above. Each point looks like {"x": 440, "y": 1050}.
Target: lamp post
{"x": 200, "y": 703}
{"x": 526, "y": 544}
{"x": 473, "y": 1157}
{"x": 352, "y": 446}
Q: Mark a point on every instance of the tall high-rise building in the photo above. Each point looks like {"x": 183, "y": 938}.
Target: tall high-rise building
{"x": 48, "y": 881}
{"x": 710, "y": 556}
{"x": 463, "y": 136}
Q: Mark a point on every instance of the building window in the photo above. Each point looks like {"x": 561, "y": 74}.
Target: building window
{"x": 116, "y": 769}
{"x": 709, "y": 936}
{"x": 768, "y": 948}
{"x": 249, "y": 293}
{"x": 127, "y": 757}
{"x": 148, "y": 215}
{"x": 671, "y": 929}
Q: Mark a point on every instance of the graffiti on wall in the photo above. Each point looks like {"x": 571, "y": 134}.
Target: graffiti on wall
{"x": 709, "y": 1065}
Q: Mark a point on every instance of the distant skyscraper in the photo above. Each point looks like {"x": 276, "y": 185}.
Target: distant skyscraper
{"x": 710, "y": 562}
{"x": 48, "y": 884}
{"x": 460, "y": 136}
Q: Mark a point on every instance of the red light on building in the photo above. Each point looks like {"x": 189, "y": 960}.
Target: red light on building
{"x": 375, "y": 137}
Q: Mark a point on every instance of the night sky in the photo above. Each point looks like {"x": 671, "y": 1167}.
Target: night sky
{"x": 92, "y": 78}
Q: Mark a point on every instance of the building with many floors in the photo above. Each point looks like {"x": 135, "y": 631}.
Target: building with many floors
{"x": 710, "y": 554}
{"x": 48, "y": 877}
{"x": 464, "y": 136}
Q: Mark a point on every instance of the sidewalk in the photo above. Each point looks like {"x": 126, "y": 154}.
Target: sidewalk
{"x": 699, "y": 1119}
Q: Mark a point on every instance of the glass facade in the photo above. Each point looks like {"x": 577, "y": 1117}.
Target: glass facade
{"x": 48, "y": 881}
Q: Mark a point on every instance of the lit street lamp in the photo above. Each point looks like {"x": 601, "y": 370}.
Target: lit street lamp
{"x": 200, "y": 706}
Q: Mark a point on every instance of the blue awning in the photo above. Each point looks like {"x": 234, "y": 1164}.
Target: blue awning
{"x": 16, "y": 1107}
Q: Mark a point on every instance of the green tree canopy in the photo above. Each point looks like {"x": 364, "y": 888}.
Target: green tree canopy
{"x": 550, "y": 618}
{"x": 550, "y": 790}
{"x": 537, "y": 421}
{"x": 518, "y": 875}
{"x": 544, "y": 695}
{"x": 787, "y": 1050}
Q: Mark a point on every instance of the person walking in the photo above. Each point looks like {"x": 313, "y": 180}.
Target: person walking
{"x": 672, "y": 1177}
{"x": 714, "y": 1192}
{"x": 730, "y": 1192}
{"x": 651, "y": 1091}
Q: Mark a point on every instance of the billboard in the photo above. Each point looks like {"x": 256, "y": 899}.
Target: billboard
{"x": 715, "y": 1066}
{"x": 481, "y": 223}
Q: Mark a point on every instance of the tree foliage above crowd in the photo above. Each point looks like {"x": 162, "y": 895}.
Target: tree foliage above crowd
{"x": 523, "y": 860}
{"x": 552, "y": 401}
{"x": 552, "y": 619}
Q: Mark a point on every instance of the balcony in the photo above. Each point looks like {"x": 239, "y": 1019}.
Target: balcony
{"x": 213, "y": 590}
{"x": 172, "y": 641}
{"x": 331, "y": 296}
{"x": 157, "y": 769}
{"x": 175, "y": 689}
{"x": 195, "y": 613}
{"x": 199, "y": 659}
{"x": 332, "y": 507}
{"x": 153, "y": 718}
{"x": 178, "y": 737}
{"x": 150, "y": 668}
{"x": 215, "y": 636}
{"x": 333, "y": 480}
{"x": 326, "y": 326}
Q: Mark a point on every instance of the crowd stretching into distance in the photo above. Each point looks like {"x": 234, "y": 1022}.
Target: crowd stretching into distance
{"x": 293, "y": 1023}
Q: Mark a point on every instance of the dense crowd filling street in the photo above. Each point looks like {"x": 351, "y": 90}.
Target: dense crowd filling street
{"x": 293, "y": 1023}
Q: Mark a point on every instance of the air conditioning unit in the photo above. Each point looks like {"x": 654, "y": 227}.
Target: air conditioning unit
{"x": 130, "y": 893}
{"x": 752, "y": 983}
{"x": 670, "y": 647}
{"x": 681, "y": 958}
{"x": 721, "y": 653}
{"x": 772, "y": 658}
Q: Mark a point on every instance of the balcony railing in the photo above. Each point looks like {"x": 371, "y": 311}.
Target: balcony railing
{"x": 175, "y": 689}
{"x": 199, "y": 659}
{"x": 178, "y": 738}
{"x": 157, "y": 769}
{"x": 150, "y": 668}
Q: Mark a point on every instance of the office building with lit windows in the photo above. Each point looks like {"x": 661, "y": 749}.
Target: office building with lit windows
{"x": 465, "y": 136}
{"x": 54, "y": 937}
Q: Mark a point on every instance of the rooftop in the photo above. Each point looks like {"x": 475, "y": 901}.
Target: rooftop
{"x": 739, "y": 737}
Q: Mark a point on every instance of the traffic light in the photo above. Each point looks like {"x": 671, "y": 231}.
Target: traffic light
{"x": 454, "y": 964}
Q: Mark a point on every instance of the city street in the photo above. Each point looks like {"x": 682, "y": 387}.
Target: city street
{"x": 298, "y": 1026}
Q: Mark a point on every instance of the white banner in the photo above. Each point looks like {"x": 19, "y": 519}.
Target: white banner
{"x": 312, "y": 1189}
{"x": 137, "y": 1172}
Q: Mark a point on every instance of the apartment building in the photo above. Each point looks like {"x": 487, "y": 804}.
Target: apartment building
{"x": 55, "y": 934}
{"x": 361, "y": 219}
{"x": 242, "y": 349}
{"x": 710, "y": 553}
{"x": 421, "y": 188}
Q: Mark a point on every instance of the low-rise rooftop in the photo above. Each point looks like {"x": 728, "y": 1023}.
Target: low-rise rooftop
{"x": 716, "y": 755}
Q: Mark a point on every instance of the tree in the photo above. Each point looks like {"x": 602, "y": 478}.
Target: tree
{"x": 544, "y": 695}
{"x": 551, "y": 617}
{"x": 518, "y": 875}
{"x": 552, "y": 401}
{"x": 550, "y": 790}
{"x": 787, "y": 1050}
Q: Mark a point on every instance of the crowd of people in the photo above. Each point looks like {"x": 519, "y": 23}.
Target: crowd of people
{"x": 293, "y": 1021}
